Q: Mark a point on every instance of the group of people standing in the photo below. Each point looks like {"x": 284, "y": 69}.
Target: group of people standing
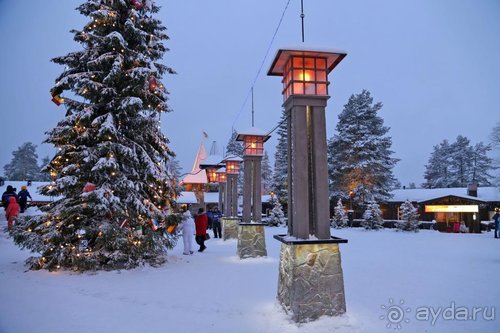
{"x": 197, "y": 228}
{"x": 14, "y": 203}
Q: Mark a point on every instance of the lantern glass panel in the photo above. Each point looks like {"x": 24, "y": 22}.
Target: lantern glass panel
{"x": 232, "y": 167}
{"x": 298, "y": 62}
{"x": 298, "y": 74}
{"x": 309, "y": 75}
{"x": 310, "y": 89}
{"x": 321, "y": 89}
{"x": 309, "y": 63}
{"x": 298, "y": 88}
{"x": 321, "y": 76}
{"x": 320, "y": 63}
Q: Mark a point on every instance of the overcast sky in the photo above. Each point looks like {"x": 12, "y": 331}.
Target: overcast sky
{"x": 434, "y": 64}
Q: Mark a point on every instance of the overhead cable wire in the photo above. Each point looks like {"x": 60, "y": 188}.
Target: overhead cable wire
{"x": 261, "y": 64}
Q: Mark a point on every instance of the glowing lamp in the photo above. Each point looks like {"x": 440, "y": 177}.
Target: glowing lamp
{"x": 232, "y": 165}
{"x": 153, "y": 83}
{"x": 253, "y": 141}
{"x": 58, "y": 100}
{"x": 212, "y": 174}
{"x": 305, "y": 72}
{"x": 221, "y": 175}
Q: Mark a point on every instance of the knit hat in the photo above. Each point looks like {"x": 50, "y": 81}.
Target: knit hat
{"x": 23, "y": 187}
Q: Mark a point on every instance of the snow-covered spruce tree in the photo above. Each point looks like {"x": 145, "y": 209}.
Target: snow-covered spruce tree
{"x": 339, "y": 216}
{"x": 372, "y": 217}
{"x": 24, "y": 163}
{"x": 460, "y": 162}
{"x": 276, "y": 217}
{"x": 44, "y": 176}
{"x": 409, "y": 217}
{"x": 359, "y": 154}
{"x": 437, "y": 169}
{"x": 280, "y": 173}
{"x": 267, "y": 173}
{"x": 481, "y": 165}
{"x": 110, "y": 168}
{"x": 495, "y": 143}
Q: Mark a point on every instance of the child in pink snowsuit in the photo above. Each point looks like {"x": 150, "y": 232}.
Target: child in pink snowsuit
{"x": 12, "y": 211}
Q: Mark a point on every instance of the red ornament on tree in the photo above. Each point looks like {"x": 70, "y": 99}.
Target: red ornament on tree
{"x": 153, "y": 83}
{"x": 137, "y": 4}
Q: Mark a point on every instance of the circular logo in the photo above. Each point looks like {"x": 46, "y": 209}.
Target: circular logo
{"x": 394, "y": 314}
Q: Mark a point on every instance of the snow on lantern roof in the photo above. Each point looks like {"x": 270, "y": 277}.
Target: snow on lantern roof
{"x": 212, "y": 161}
{"x": 232, "y": 158}
{"x": 252, "y": 131}
{"x": 197, "y": 175}
{"x": 333, "y": 57}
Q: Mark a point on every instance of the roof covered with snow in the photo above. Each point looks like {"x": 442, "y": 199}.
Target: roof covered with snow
{"x": 487, "y": 194}
{"x": 212, "y": 160}
{"x": 189, "y": 198}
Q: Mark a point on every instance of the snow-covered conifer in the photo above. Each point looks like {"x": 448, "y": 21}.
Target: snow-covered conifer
{"x": 24, "y": 163}
{"x": 111, "y": 163}
{"x": 339, "y": 216}
{"x": 280, "y": 173}
{"x": 276, "y": 216}
{"x": 267, "y": 173}
{"x": 372, "y": 217}
{"x": 359, "y": 154}
{"x": 409, "y": 217}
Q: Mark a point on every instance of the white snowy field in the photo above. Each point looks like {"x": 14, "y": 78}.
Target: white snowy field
{"x": 215, "y": 291}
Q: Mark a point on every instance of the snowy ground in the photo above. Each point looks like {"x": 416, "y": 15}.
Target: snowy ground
{"x": 216, "y": 292}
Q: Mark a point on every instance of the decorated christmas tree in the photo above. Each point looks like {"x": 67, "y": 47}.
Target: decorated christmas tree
{"x": 339, "y": 216}
{"x": 110, "y": 173}
{"x": 409, "y": 217}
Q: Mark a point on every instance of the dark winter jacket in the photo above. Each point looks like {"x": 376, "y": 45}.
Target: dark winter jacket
{"x": 201, "y": 222}
{"x": 7, "y": 194}
{"x": 216, "y": 216}
{"x": 24, "y": 194}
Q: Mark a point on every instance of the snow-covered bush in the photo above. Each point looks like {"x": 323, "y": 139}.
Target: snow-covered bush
{"x": 409, "y": 217}
{"x": 276, "y": 217}
{"x": 339, "y": 216}
{"x": 372, "y": 217}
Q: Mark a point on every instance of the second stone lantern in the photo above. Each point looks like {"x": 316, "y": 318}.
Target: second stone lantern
{"x": 251, "y": 237}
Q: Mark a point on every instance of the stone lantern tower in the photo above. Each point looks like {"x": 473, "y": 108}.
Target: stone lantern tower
{"x": 251, "y": 237}
{"x": 311, "y": 281}
{"x": 230, "y": 219}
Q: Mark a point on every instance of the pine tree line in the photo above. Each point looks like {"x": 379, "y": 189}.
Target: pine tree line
{"x": 458, "y": 164}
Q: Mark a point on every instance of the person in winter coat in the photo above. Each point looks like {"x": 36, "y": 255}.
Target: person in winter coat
{"x": 187, "y": 228}
{"x": 12, "y": 211}
{"x": 496, "y": 217}
{"x": 216, "y": 226}
{"x": 23, "y": 196}
{"x": 9, "y": 192}
{"x": 201, "y": 223}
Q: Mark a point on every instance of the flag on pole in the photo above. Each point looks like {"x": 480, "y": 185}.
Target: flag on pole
{"x": 205, "y": 135}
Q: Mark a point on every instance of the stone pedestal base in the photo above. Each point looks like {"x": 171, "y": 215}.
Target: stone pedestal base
{"x": 251, "y": 240}
{"x": 311, "y": 282}
{"x": 230, "y": 227}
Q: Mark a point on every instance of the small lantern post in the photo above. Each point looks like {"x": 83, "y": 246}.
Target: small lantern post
{"x": 305, "y": 91}
{"x": 221, "y": 179}
{"x": 230, "y": 219}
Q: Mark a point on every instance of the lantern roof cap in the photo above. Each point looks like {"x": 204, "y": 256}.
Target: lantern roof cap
{"x": 221, "y": 170}
{"x": 212, "y": 161}
{"x": 232, "y": 158}
{"x": 333, "y": 57}
{"x": 252, "y": 131}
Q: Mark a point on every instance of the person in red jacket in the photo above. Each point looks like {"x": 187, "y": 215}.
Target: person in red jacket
{"x": 201, "y": 223}
{"x": 12, "y": 211}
